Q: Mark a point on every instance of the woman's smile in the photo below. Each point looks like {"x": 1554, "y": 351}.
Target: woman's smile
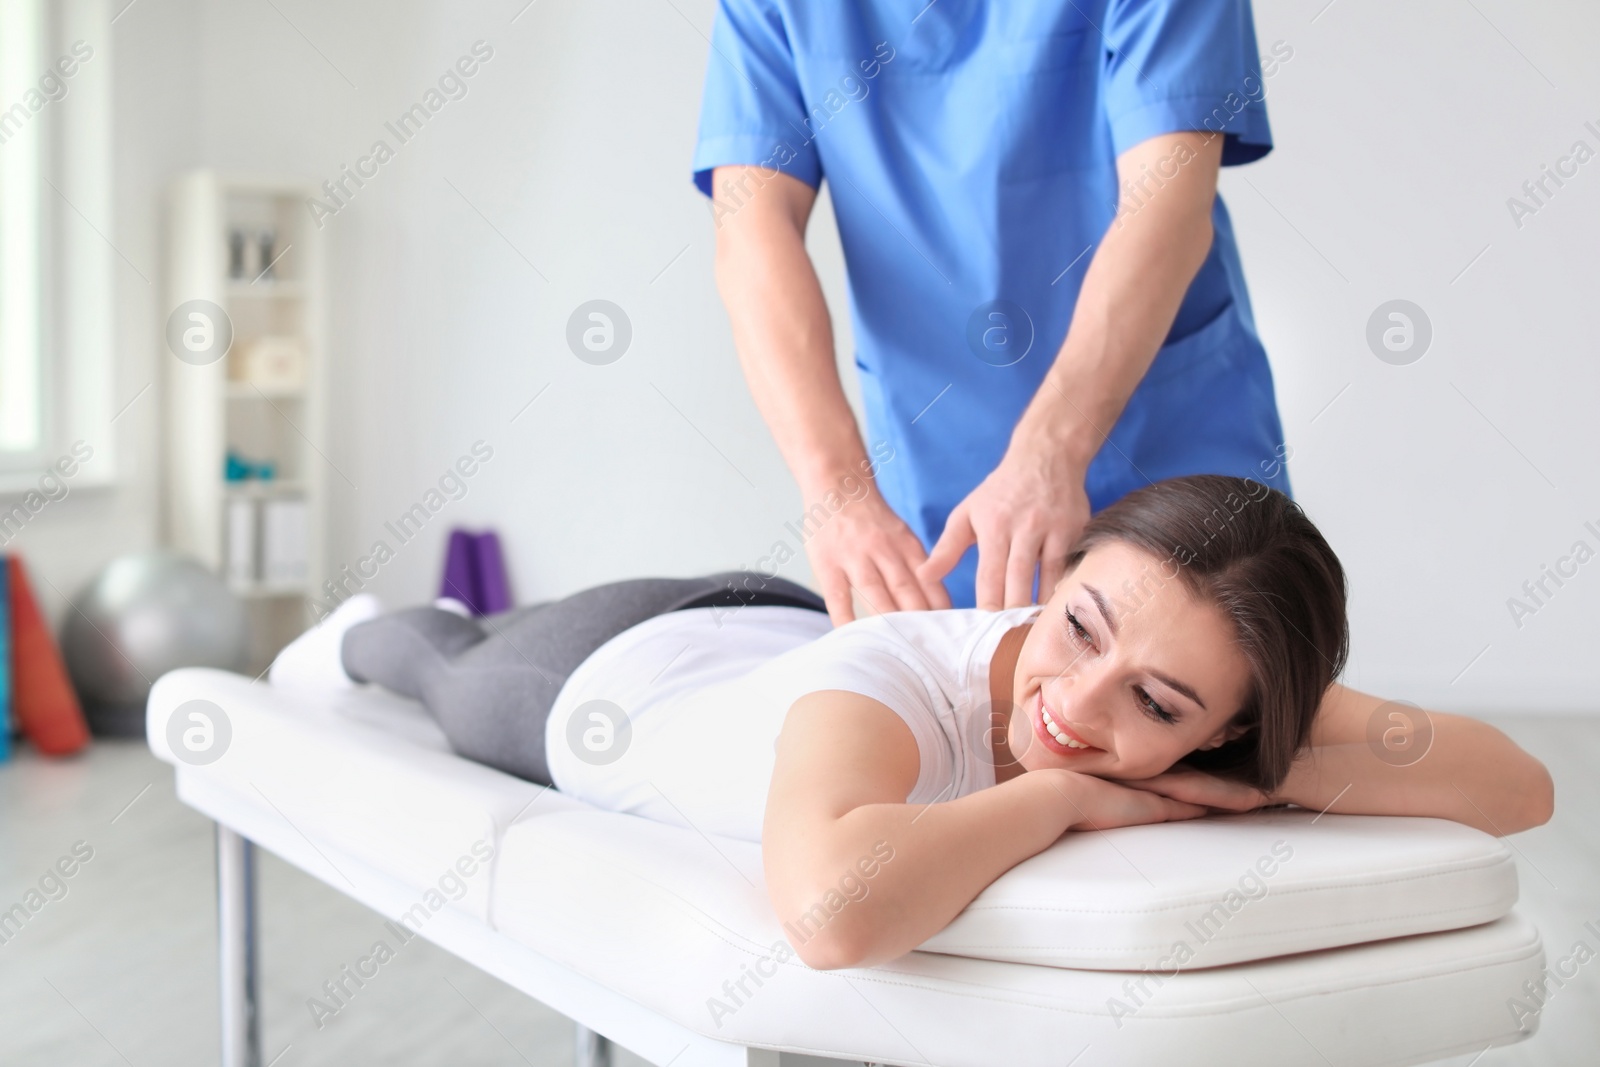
{"x": 1054, "y": 733}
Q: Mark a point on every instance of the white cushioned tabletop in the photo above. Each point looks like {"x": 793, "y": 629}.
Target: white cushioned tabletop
{"x": 671, "y": 921}
{"x": 361, "y": 768}
{"x": 1404, "y": 924}
{"x": 1235, "y": 887}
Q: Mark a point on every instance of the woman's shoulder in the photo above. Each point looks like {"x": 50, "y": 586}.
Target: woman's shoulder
{"x": 936, "y": 620}
{"x": 956, "y": 628}
{"x": 939, "y": 643}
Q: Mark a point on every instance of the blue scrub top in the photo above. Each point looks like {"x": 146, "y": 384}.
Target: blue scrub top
{"x": 971, "y": 153}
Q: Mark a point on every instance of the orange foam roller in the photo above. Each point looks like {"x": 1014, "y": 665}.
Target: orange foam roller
{"x": 43, "y": 701}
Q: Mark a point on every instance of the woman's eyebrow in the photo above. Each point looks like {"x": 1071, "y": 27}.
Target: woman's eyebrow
{"x": 1100, "y": 602}
{"x": 1111, "y": 624}
{"x": 1174, "y": 684}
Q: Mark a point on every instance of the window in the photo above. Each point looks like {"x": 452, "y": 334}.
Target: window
{"x": 21, "y": 135}
{"x": 55, "y": 219}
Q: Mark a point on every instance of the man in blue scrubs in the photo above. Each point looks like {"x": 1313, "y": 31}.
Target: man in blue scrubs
{"x": 1046, "y": 296}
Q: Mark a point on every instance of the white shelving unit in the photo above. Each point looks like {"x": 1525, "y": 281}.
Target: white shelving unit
{"x": 273, "y": 300}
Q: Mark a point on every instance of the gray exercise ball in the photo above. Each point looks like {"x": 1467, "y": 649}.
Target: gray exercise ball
{"x": 143, "y": 615}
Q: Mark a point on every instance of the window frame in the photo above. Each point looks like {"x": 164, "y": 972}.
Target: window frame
{"x": 65, "y": 175}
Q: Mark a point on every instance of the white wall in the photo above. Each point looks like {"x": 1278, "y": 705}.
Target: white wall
{"x": 573, "y": 143}
{"x": 1400, "y": 133}
{"x": 1401, "y": 130}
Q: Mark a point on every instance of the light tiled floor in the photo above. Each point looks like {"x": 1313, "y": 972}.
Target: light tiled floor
{"x": 121, "y": 969}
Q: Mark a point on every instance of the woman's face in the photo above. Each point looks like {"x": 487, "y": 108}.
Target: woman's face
{"x": 1140, "y": 671}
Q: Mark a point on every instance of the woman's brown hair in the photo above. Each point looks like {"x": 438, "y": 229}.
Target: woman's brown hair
{"x": 1252, "y": 552}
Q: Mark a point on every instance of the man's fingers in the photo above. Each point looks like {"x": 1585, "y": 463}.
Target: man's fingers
{"x": 836, "y": 595}
{"x": 912, "y": 559}
{"x": 938, "y": 596}
{"x": 952, "y": 544}
{"x": 993, "y": 561}
{"x": 904, "y": 589}
{"x": 870, "y": 588}
{"x": 1023, "y": 560}
{"x": 934, "y": 593}
{"x": 1052, "y": 565}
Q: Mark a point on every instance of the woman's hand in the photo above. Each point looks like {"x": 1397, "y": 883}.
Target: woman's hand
{"x": 1102, "y": 804}
{"x": 1194, "y": 786}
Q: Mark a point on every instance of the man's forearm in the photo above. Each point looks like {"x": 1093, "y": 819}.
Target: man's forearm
{"x": 1471, "y": 773}
{"x": 1130, "y": 296}
{"x": 784, "y": 337}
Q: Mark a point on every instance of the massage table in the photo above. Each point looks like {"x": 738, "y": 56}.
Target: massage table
{"x": 1268, "y": 938}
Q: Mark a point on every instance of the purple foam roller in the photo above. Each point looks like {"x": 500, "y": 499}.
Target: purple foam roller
{"x": 494, "y": 592}
{"x": 460, "y": 571}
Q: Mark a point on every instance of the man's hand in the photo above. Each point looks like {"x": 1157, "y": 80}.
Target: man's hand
{"x": 1024, "y": 516}
{"x": 867, "y": 548}
{"x": 1031, "y": 508}
{"x": 784, "y": 340}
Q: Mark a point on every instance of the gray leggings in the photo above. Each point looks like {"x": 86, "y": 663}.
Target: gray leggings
{"x": 490, "y": 682}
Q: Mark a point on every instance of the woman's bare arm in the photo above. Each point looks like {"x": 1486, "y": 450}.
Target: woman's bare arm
{"x": 1418, "y": 763}
{"x": 858, "y": 876}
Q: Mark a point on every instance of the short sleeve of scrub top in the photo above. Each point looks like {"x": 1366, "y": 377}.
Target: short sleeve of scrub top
{"x": 752, "y": 104}
{"x": 1169, "y": 65}
{"x": 1175, "y": 65}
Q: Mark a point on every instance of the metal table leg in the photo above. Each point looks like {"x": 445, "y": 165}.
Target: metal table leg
{"x": 593, "y": 1050}
{"x": 236, "y": 949}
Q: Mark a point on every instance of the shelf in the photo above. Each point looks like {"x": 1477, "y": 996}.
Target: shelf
{"x": 251, "y": 391}
{"x": 266, "y": 185}
{"x": 264, "y": 487}
{"x": 265, "y": 289}
{"x": 210, "y": 413}
{"x": 264, "y": 590}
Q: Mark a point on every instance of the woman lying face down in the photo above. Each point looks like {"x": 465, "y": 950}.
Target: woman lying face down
{"x": 1200, "y": 613}
{"x": 1184, "y": 664}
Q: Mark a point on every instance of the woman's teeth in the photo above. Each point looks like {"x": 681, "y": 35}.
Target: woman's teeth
{"x": 1056, "y": 732}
